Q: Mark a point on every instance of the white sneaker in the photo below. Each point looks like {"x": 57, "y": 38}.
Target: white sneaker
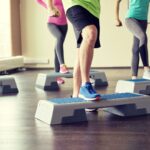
{"x": 91, "y": 109}
{"x": 146, "y": 75}
{"x": 134, "y": 77}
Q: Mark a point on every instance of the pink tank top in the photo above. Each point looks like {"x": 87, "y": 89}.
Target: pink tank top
{"x": 61, "y": 20}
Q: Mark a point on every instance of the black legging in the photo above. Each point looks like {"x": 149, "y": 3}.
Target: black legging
{"x": 138, "y": 28}
{"x": 59, "y": 32}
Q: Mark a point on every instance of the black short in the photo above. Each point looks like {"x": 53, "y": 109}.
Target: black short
{"x": 80, "y": 18}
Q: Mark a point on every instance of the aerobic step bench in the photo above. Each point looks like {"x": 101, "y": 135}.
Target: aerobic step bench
{"x": 8, "y": 85}
{"x": 72, "y": 110}
{"x": 141, "y": 86}
{"x": 48, "y": 82}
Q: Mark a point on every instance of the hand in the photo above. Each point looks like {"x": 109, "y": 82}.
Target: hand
{"x": 118, "y": 23}
{"x": 54, "y": 12}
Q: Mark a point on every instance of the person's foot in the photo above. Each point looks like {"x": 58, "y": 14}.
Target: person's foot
{"x": 88, "y": 93}
{"x": 63, "y": 69}
{"x": 146, "y": 74}
{"x": 60, "y": 80}
{"x": 134, "y": 77}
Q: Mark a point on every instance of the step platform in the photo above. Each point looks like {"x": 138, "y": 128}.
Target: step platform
{"x": 141, "y": 86}
{"x": 8, "y": 85}
{"x": 48, "y": 82}
{"x": 72, "y": 110}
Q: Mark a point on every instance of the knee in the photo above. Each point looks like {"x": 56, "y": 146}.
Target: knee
{"x": 143, "y": 40}
{"x": 135, "y": 52}
{"x": 90, "y": 34}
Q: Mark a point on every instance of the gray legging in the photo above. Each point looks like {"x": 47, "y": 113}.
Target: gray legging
{"x": 59, "y": 32}
{"x": 138, "y": 28}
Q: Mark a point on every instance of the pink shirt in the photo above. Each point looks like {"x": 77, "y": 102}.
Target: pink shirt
{"x": 61, "y": 20}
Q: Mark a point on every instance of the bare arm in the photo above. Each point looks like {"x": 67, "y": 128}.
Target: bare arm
{"x": 117, "y": 8}
{"x": 50, "y": 4}
{"x": 42, "y": 3}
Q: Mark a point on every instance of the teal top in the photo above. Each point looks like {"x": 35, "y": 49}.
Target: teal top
{"x": 93, "y": 6}
{"x": 138, "y": 9}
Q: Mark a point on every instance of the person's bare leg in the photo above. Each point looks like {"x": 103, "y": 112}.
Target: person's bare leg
{"x": 89, "y": 34}
{"x": 84, "y": 58}
{"x": 76, "y": 77}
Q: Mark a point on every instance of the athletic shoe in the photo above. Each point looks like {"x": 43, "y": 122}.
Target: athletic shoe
{"x": 63, "y": 69}
{"x": 88, "y": 93}
{"x": 92, "y": 81}
{"x": 146, "y": 74}
{"x": 91, "y": 109}
{"x": 134, "y": 77}
{"x": 60, "y": 80}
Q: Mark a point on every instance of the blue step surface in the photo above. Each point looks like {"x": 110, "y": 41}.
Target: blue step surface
{"x": 139, "y": 80}
{"x": 104, "y": 97}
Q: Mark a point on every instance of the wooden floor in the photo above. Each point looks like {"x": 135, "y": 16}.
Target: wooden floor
{"x": 20, "y": 131}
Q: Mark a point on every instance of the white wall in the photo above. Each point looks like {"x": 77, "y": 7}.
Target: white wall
{"x": 5, "y": 33}
{"x": 38, "y": 43}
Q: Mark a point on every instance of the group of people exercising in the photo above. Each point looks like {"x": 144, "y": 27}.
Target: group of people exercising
{"x": 84, "y": 16}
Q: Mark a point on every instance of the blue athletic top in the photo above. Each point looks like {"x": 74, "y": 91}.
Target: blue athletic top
{"x": 138, "y": 9}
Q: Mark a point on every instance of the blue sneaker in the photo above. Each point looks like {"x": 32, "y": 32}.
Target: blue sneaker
{"x": 88, "y": 93}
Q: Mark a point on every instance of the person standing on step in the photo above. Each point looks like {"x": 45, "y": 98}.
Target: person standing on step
{"x": 136, "y": 22}
{"x": 84, "y": 16}
{"x": 57, "y": 25}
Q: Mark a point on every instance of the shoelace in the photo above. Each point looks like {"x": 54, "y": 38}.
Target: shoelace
{"x": 90, "y": 88}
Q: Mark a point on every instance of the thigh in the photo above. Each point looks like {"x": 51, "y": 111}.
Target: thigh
{"x": 135, "y": 27}
{"x": 80, "y": 19}
{"x": 143, "y": 24}
{"x": 63, "y": 29}
{"x": 55, "y": 30}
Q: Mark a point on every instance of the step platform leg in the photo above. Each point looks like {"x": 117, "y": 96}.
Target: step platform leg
{"x": 53, "y": 114}
{"x": 47, "y": 83}
{"x": 8, "y": 86}
{"x": 99, "y": 78}
{"x": 126, "y": 110}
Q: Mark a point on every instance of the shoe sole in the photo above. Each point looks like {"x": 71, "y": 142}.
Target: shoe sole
{"x": 64, "y": 72}
{"x": 89, "y": 99}
{"x": 91, "y": 109}
{"x": 146, "y": 78}
{"x": 60, "y": 83}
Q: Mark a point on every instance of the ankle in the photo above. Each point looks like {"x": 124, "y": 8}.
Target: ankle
{"x": 84, "y": 83}
{"x": 74, "y": 95}
{"x": 62, "y": 65}
{"x": 63, "y": 68}
{"x": 146, "y": 69}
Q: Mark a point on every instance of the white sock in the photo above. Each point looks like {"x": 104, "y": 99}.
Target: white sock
{"x": 83, "y": 84}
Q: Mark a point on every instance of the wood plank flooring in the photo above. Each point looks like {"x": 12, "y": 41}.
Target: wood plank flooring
{"x": 20, "y": 131}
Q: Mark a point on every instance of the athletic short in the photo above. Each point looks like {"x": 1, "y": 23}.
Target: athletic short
{"x": 80, "y": 18}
